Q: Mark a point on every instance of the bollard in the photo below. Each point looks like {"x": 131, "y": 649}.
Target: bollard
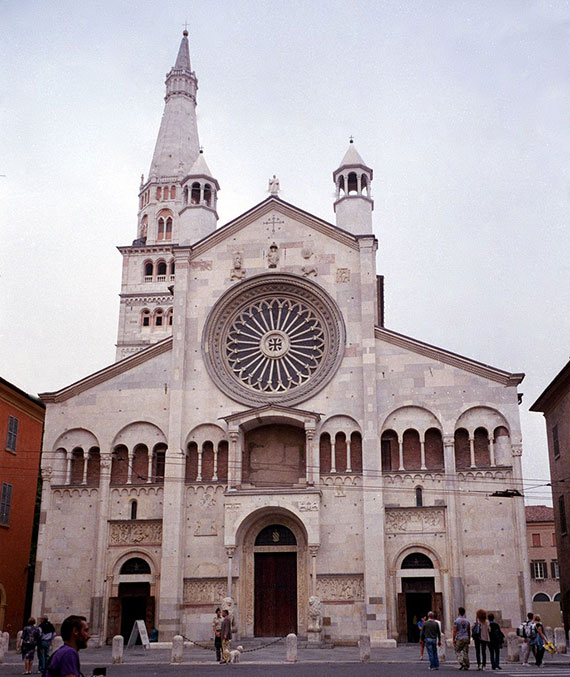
{"x": 513, "y": 648}
{"x": 560, "y": 640}
{"x": 177, "y": 649}
{"x": 1, "y": 650}
{"x": 6, "y": 636}
{"x": 57, "y": 643}
{"x": 364, "y": 645}
{"x": 549, "y": 632}
{"x": 117, "y": 652}
{"x": 291, "y": 642}
{"x": 441, "y": 649}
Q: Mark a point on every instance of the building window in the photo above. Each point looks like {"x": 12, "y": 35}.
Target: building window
{"x": 145, "y": 318}
{"x": 169, "y": 317}
{"x": 168, "y": 234}
{"x": 554, "y": 539}
{"x": 536, "y": 540}
{"x": 5, "y": 503}
{"x": 159, "y": 318}
{"x": 555, "y": 441}
{"x": 135, "y": 565}
{"x": 538, "y": 570}
{"x": 133, "y": 510}
{"x": 12, "y": 435}
{"x": 148, "y": 271}
{"x": 562, "y": 513}
{"x": 419, "y": 497}
{"x": 541, "y": 597}
{"x": 173, "y": 193}
{"x": 554, "y": 569}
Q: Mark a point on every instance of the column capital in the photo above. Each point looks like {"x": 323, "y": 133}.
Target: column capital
{"x": 47, "y": 473}
{"x": 314, "y": 550}
{"x": 230, "y": 550}
{"x": 516, "y": 449}
{"x": 448, "y": 440}
{"x": 233, "y": 435}
{"x": 105, "y": 463}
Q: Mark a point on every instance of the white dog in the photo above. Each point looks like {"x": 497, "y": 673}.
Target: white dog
{"x": 234, "y": 654}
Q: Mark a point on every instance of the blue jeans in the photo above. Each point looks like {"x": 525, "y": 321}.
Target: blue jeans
{"x": 43, "y": 654}
{"x": 431, "y": 646}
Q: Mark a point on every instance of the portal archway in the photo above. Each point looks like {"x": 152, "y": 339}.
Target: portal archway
{"x": 274, "y": 579}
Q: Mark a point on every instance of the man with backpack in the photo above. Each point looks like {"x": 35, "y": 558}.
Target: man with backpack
{"x": 527, "y": 631}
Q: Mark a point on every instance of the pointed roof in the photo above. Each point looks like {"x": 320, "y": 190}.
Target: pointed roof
{"x": 200, "y": 167}
{"x": 183, "y": 58}
{"x": 352, "y": 158}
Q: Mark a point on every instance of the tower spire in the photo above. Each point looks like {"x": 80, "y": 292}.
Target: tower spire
{"x": 353, "y": 205}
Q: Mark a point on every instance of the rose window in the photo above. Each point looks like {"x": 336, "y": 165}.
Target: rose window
{"x": 273, "y": 338}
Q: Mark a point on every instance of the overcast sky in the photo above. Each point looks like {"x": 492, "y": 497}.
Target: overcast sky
{"x": 461, "y": 108}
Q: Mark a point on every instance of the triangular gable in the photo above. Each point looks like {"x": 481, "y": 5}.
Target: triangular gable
{"x": 273, "y": 203}
{"x": 447, "y": 357}
{"x": 109, "y": 372}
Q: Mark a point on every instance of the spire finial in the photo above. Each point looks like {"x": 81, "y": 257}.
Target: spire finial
{"x": 351, "y": 139}
{"x": 185, "y": 31}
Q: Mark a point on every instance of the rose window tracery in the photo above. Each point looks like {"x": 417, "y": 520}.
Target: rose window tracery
{"x": 273, "y": 338}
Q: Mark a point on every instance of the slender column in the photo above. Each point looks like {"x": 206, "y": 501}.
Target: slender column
{"x": 401, "y": 454}
{"x": 333, "y": 454}
{"x": 359, "y": 183}
{"x": 314, "y": 549}
{"x": 447, "y": 607}
{"x": 130, "y": 457}
{"x": 201, "y": 193}
{"x": 453, "y": 519}
{"x": 230, "y": 553}
{"x": 310, "y": 475}
{"x": 492, "y": 451}
{"x": 348, "y": 459}
{"x": 149, "y": 467}
{"x": 98, "y": 618}
{"x": 199, "y": 475}
{"x": 215, "y": 475}
{"x": 68, "y": 467}
{"x": 232, "y": 460}
{"x": 85, "y": 464}
{"x": 472, "y": 451}
{"x": 423, "y": 454}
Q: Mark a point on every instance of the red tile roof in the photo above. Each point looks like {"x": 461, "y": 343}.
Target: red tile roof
{"x": 539, "y": 513}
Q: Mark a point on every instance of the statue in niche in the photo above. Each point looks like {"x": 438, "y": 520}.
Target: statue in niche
{"x": 273, "y": 188}
{"x": 309, "y": 268}
{"x": 238, "y": 271}
{"x": 273, "y": 256}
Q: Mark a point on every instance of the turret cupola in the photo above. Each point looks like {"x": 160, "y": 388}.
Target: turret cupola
{"x": 353, "y": 204}
{"x": 198, "y": 215}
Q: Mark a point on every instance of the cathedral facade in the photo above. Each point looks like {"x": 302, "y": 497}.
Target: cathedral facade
{"x": 264, "y": 441}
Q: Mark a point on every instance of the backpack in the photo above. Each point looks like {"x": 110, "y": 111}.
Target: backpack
{"x": 521, "y": 630}
{"x": 531, "y": 630}
{"x": 497, "y": 635}
{"x": 476, "y": 632}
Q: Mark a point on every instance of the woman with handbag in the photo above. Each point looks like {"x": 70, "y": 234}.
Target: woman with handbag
{"x": 480, "y": 633}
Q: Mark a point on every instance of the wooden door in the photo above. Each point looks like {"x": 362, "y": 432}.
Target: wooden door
{"x": 149, "y": 616}
{"x": 402, "y": 617}
{"x": 275, "y": 594}
{"x": 113, "y": 618}
{"x": 437, "y": 604}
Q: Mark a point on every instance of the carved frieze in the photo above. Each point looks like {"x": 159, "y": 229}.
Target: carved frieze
{"x": 415, "y": 520}
{"x": 343, "y": 275}
{"x": 340, "y": 588}
{"x": 205, "y": 590}
{"x": 135, "y": 532}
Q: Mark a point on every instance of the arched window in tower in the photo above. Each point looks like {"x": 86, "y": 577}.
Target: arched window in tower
{"x": 412, "y": 449}
{"x": 159, "y": 193}
{"x": 160, "y": 229}
{"x": 341, "y": 188}
{"x": 481, "y": 444}
{"x": 159, "y": 462}
{"x": 161, "y": 271}
{"x": 169, "y": 318}
{"x": 133, "y": 509}
{"x": 325, "y": 453}
{"x": 195, "y": 194}
{"x": 173, "y": 192}
{"x": 166, "y": 193}
{"x": 159, "y": 318}
{"x": 148, "y": 271}
{"x": 462, "y": 449}
{"x": 172, "y": 269}
{"x": 168, "y": 233}
{"x": 208, "y": 194}
{"x": 389, "y": 450}
{"x": 364, "y": 184}
{"x": 352, "y": 184}
{"x": 185, "y": 195}
{"x": 145, "y": 318}
{"x": 419, "y": 497}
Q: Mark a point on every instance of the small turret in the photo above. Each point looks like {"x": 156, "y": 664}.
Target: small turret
{"x": 353, "y": 205}
{"x": 198, "y": 215}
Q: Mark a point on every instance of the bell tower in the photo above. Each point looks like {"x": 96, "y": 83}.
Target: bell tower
{"x": 353, "y": 204}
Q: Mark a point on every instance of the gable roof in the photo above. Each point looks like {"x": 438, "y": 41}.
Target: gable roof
{"x": 446, "y": 356}
{"x": 108, "y": 373}
{"x": 553, "y": 391}
{"x": 274, "y": 203}
{"x": 539, "y": 513}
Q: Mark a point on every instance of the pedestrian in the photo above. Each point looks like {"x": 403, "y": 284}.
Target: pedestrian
{"x": 461, "y": 639}
{"x": 431, "y": 635}
{"x": 47, "y": 635}
{"x": 526, "y": 630}
{"x": 28, "y": 643}
{"x": 538, "y": 641}
{"x": 481, "y": 638}
{"x": 65, "y": 661}
{"x": 217, "y": 628}
{"x": 226, "y": 632}
{"x": 496, "y": 640}
{"x": 422, "y": 643}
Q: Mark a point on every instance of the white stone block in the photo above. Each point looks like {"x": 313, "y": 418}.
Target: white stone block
{"x": 513, "y": 648}
{"x": 387, "y": 644}
{"x": 364, "y": 645}
{"x": 117, "y": 652}
{"x": 291, "y": 644}
{"x": 177, "y": 649}
{"x": 560, "y": 640}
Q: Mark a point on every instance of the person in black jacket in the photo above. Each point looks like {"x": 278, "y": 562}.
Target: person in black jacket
{"x": 496, "y": 639}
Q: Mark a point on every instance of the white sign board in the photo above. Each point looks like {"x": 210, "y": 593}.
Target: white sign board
{"x": 139, "y": 630}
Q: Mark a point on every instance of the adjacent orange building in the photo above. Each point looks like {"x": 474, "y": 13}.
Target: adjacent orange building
{"x": 21, "y": 430}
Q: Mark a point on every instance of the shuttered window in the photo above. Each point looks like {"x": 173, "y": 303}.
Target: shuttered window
{"x": 12, "y": 435}
{"x": 5, "y": 503}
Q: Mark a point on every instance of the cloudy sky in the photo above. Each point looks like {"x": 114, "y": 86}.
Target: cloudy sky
{"x": 461, "y": 108}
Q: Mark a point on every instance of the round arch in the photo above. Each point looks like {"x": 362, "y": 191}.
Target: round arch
{"x": 411, "y": 417}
